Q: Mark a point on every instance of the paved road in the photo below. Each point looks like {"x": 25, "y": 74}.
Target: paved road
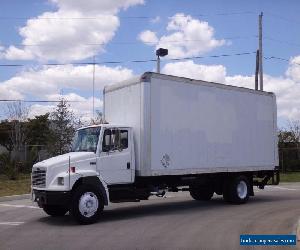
{"x": 175, "y": 222}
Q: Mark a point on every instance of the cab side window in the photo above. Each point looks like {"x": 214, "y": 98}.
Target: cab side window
{"x": 115, "y": 139}
{"x": 124, "y": 138}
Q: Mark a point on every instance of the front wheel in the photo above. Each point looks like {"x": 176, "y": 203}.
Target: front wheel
{"x": 54, "y": 210}
{"x": 87, "y": 205}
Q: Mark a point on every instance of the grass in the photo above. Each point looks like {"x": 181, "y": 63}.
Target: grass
{"x": 290, "y": 177}
{"x": 14, "y": 187}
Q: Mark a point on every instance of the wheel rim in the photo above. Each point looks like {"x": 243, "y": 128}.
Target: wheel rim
{"x": 88, "y": 204}
{"x": 242, "y": 189}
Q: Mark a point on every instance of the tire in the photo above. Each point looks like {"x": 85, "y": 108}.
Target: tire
{"x": 55, "y": 210}
{"x": 237, "y": 190}
{"x": 201, "y": 194}
{"x": 87, "y": 204}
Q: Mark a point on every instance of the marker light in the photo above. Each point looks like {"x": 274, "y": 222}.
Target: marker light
{"x": 73, "y": 169}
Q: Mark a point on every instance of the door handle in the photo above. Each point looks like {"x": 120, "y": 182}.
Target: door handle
{"x": 128, "y": 165}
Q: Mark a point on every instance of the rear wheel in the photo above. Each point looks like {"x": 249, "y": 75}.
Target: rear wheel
{"x": 237, "y": 190}
{"x": 201, "y": 193}
{"x": 54, "y": 210}
{"x": 87, "y": 205}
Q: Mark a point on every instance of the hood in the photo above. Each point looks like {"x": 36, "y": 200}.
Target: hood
{"x": 64, "y": 159}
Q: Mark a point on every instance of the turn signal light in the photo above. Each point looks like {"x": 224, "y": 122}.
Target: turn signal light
{"x": 73, "y": 169}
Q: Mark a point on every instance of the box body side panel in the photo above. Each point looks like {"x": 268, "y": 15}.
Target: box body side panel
{"x": 196, "y": 129}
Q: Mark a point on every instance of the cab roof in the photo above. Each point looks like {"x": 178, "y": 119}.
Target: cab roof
{"x": 106, "y": 125}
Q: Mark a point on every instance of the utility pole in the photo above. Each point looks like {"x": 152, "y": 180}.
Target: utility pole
{"x": 256, "y": 69}
{"x": 93, "y": 87}
{"x": 261, "y": 81}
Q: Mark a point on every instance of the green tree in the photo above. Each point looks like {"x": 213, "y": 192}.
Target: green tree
{"x": 289, "y": 147}
{"x": 5, "y": 136}
{"x": 38, "y": 137}
{"x": 8, "y": 166}
{"x": 285, "y": 138}
{"x": 38, "y": 130}
{"x": 62, "y": 127}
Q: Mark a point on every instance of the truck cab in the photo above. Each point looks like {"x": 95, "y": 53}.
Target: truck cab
{"x": 101, "y": 155}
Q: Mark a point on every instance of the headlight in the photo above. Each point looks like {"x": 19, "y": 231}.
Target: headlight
{"x": 60, "y": 181}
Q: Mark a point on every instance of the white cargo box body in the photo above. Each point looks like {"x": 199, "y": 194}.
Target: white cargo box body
{"x": 183, "y": 126}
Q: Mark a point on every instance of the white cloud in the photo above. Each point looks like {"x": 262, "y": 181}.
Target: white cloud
{"x": 188, "y": 37}
{"x": 155, "y": 19}
{"x": 50, "y": 80}
{"x": 81, "y": 107}
{"x": 13, "y": 53}
{"x": 294, "y": 69}
{"x": 46, "y": 83}
{"x": 2, "y": 50}
{"x": 38, "y": 109}
{"x": 212, "y": 73}
{"x": 148, "y": 37}
{"x": 96, "y": 6}
{"x": 287, "y": 89}
{"x": 62, "y": 39}
{"x": 8, "y": 93}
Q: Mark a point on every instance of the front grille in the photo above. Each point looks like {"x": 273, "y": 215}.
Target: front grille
{"x": 39, "y": 177}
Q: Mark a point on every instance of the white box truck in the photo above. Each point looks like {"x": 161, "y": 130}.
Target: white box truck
{"x": 164, "y": 133}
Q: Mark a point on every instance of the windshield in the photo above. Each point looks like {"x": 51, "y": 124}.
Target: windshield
{"x": 86, "y": 140}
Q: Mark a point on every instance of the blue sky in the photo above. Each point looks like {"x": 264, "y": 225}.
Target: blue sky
{"x": 234, "y": 25}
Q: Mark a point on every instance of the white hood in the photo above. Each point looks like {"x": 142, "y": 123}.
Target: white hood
{"x": 64, "y": 159}
{"x": 59, "y": 166}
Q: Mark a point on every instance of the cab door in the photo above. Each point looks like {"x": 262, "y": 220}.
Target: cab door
{"x": 114, "y": 163}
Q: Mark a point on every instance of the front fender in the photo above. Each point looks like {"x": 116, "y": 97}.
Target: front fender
{"x": 83, "y": 177}
{"x": 95, "y": 181}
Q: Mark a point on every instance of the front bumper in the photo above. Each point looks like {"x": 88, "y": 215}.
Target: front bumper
{"x": 42, "y": 197}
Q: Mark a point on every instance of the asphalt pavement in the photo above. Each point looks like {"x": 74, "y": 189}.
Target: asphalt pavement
{"x": 173, "y": 222}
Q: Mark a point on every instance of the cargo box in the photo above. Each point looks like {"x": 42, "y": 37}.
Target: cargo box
{"x": 183, "y": 126}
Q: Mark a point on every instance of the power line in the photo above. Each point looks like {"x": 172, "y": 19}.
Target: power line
{"x": 125, "y": 17}
{"x": 132, "y": 61}
{"x": 213, "y": 56}
{"x": 270, "y": 14}
{"x": 280, "y": 59}
{"x": 225, "y": 14}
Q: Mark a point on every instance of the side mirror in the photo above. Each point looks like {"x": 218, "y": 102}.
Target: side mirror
{"x": 106, "y": 143}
